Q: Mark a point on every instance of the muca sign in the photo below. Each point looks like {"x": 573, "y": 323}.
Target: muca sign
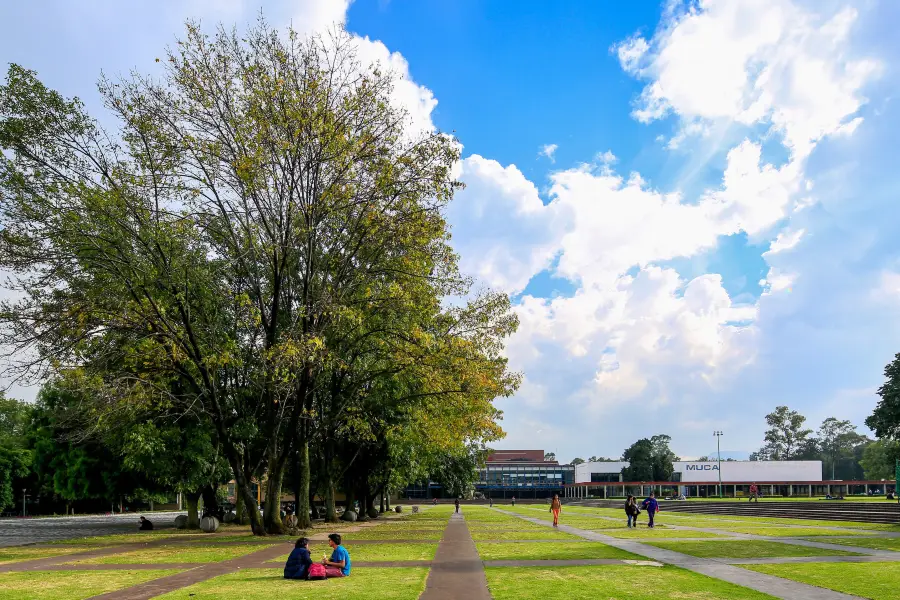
{"x": 701, "y": 467}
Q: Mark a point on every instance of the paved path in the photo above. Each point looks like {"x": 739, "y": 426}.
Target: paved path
{"x": 768, "y": 584}
{"x": 19, "y": 532}
{"x": 456, "y": 572}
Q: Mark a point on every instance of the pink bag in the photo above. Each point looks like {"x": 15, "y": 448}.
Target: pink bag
{"x": 317, "y": 571}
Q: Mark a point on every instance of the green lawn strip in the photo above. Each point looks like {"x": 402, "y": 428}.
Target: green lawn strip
{"x": 551, "y": 551}
{"x": 20, "y": 553}
{"x": 377, "y": 533}
{"x": 611, "y": 581}
{"x": 867, "y": 580}
{"x": 174, "y": 554}
{"x": 592, "y": 523}
{"x": 876, "y": 543}
{"x": 745, "y": 549}
{"x": 793, "y": 531}
{"x": 266, "y": 584}
{"x": 122, "y": 538}
{"x": 657, "y": 532}
{"x": 374, "y": 552}
{"x": 513, "y": 534}
{"x": 70, "y": 585}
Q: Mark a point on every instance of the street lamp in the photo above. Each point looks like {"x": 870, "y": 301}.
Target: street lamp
{"x": 718, "y": 435}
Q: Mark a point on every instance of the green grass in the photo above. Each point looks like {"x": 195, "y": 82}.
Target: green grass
{"x": 123, "y": 538}
{"x": 70, "y": 585}
{"x": 19, "y": 553}
{"x": 512, "y": 534}
{"x": 375, "y": 552}
{"x": 175, "y": 554}
{"x": 551, "y": 551}
{"x": 745, "y": 549}
{"x": 377, "y": 533}
{"x": 878, "y": 581}
{"x": 657, "y": 532}
{"x": 876, "y": 543}
{"x": 611, "y": 582}
{"x": 791, "y": 531}
{"x": 267, "y": 584}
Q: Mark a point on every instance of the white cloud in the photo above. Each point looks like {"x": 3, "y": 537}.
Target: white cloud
{"x": 753, "y": 61}
{"x": 785, "y": 241}
{"x": 548, "y": 150}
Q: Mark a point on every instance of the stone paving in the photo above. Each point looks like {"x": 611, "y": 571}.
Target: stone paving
{"x": 19, "y": 532}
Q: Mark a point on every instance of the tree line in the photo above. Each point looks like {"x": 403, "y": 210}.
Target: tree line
{"x": 250, "y": 278}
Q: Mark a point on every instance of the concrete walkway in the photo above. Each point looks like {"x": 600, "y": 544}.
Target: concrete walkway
{"x": 767, "y": 584}
{"x": 456, "y": 571}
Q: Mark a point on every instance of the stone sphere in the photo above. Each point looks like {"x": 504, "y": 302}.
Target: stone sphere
{"x": 181, "y": 522}
{"x": 209, "y": 524}
{"x": 372, "y": 512}
{"x": 398, "y": 509}
{"x": 230, "y": 517}
{"x": 348, "y": 515}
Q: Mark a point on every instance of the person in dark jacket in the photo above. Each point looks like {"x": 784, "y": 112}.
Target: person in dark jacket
{"x": 298, "y": 563}
{"x": 652, "y": 507}
{"x": 632, "y": 511}
{"x": 146, "y": 525}
{"x": 457, "y": 505}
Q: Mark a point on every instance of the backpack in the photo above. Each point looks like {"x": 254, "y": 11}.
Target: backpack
{"x": 317, "y": 571}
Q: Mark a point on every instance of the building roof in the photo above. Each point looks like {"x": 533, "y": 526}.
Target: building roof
{"x": 517, "y": 456}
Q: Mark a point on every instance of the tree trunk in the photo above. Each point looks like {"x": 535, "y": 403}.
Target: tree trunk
{"x": 363, "y": 514}
{"x": 381, "y": 505}
{"x": 302, "y": 491}
{"x": 272, "y": 512}
{"x": 239, "y": 509}
{"x": 330, "y": 512}
{"x": 192, "y": 500}
{"x": 251, "y": 506}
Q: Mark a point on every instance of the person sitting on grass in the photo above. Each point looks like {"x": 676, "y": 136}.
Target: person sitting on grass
{"x": 146, "y": 525}
{"x": 339, "y": 563}
{"x": 298, "y": 563}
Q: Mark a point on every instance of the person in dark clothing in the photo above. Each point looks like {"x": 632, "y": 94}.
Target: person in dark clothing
{"x": 146, "y": 525}
{"x": 457, "y": 505}
{"x": 632, "y": 511}
{"x": 298, "y": 563}
{"x": 652, "y": 507}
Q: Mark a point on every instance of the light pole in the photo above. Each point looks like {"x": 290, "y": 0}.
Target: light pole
{"x": 718, "y": 435}
{"x": 24, "y": 492}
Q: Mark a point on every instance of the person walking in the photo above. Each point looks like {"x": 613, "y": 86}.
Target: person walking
{"x": 457, "y": 505}
{"x": 754, "y": 493}
{"x": 491, "y": 501}
{"x": 555, "y": 507}
{"x": 632, "y": 511}
{"x": 513, "y": 500}
{"x": 652, "y": 507}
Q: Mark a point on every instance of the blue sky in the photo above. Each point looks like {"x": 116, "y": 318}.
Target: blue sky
{"x": 693, "y": 206}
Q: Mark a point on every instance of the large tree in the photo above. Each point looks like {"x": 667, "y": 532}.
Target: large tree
{"x": 15, "y": 456}
{"x": 837, "y": 439}
{"x": 879, "y": 459}
{"x": 640, "y": 461}
{"x": 885, "y": 419}
{"x": 786, "y": 438}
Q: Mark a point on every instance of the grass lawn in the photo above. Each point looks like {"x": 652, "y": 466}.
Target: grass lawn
{"x": 792, "y": 531}
{"x": 267, "y": 584}
{"x": 513, "y": 534}
{"x": 551, "y": 551}
{"x": 611, "y": 582}
{"x": 591, "y": 524}
{"x": 868, "y": 580}
{"x": 657, "y": 532}
{"x": 378, "y": 533}
{"x": 71, "y": 585}
{"x": 876, "y": 543}
{"x": 744, "y": 549}
{"x": 124, "y": 538}
{"x": 19, "y": 553}
{"x": 181, "y": 553}
{"x": 374, "y": 552}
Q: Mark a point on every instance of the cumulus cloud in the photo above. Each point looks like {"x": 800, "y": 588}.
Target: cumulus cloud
{"x": 753, "y": 61}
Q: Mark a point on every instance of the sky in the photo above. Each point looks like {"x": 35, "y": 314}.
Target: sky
{"x": 693, "y": 205}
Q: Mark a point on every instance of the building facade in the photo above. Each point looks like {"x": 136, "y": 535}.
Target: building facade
{"x": 522, "y": 474}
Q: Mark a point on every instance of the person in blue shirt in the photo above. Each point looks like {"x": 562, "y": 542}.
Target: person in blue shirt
{"x": 652, "y": 507}
{"x": 298, "y": 563}
{"x": 339, "y": 563}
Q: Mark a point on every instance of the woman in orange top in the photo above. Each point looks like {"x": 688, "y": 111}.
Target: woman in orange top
{"x": 555, "y": 507}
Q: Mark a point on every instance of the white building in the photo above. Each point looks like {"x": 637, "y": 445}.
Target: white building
{"x": 737, "y": 471}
